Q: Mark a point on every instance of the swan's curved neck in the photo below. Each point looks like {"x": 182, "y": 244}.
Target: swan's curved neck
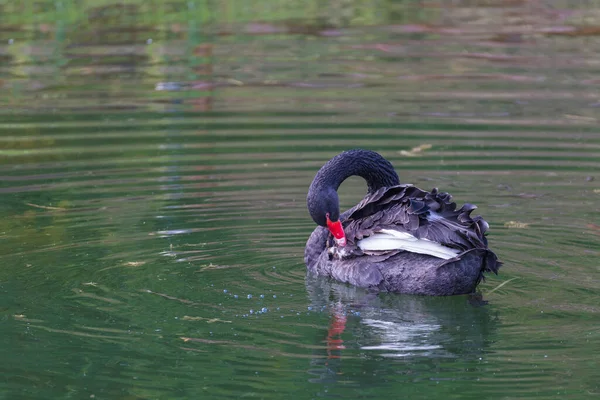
{"x": 322, "y": 199}
{"x": 376, "y": 170}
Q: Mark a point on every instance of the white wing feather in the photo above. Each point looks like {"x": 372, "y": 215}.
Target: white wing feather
{"x": 389, "y": 239}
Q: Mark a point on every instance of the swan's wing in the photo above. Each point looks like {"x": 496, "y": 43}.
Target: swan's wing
{"x": 415, "y": 213}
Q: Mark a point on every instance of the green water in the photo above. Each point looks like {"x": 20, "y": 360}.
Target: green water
{"x": 153, "y": 183}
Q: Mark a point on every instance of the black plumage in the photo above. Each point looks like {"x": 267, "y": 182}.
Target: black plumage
{"x": 400, "y": 207}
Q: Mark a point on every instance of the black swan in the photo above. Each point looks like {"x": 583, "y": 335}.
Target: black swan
{"x": 399, "y": 238}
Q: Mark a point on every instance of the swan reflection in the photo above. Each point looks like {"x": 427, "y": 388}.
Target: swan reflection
{"x": 400, "y": 326}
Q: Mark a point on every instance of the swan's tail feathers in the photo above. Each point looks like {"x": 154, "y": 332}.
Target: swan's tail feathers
{"x": 491, "y": 263}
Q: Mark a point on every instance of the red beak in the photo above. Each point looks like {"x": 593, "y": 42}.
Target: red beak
{"x": 337, "y": 230}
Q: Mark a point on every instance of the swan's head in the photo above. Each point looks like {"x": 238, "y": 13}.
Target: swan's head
{"x": 324, "y": 208}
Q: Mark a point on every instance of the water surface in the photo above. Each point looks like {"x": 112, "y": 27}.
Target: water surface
{"x": 153, "y": 185}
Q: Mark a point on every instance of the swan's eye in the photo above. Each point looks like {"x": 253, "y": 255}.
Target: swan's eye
{"x": 327, "y": 215}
